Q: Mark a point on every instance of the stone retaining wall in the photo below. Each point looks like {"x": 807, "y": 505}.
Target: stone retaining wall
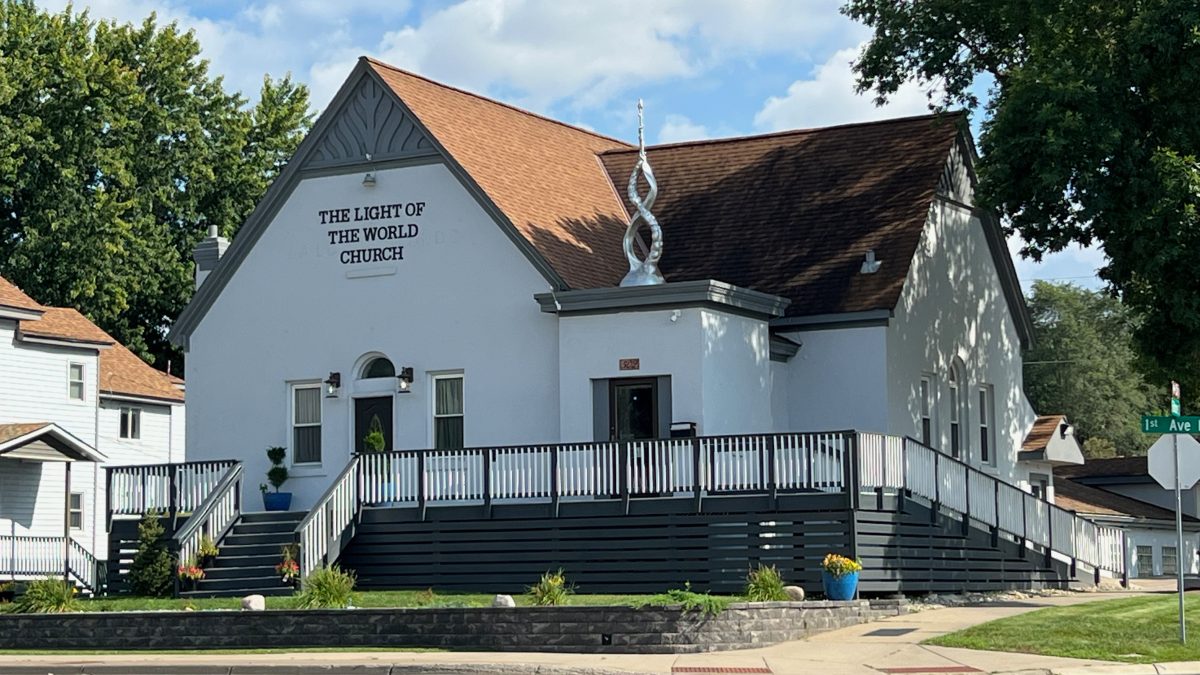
{"x": 556, "y": 629}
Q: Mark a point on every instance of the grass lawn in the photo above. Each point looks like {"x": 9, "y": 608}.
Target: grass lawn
{"x": 361, "y": 599}
{"x": 1133, "y": 630}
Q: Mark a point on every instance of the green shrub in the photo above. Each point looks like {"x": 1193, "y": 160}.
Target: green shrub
{"x": 208, "y": 548}
{"x": 552, "y": 589}
{"x": 763, "y": 584}
{"x": 47, "y": 596}
{"x": 277, "y": 475}
{"x": 375, "y": 441}
{"x": 689, "y": 600}
{"x": 152, "y": 572}
{"x": 326, "y": 588}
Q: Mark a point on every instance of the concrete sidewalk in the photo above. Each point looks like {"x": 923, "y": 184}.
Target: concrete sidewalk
{"x": 888, "y": 646}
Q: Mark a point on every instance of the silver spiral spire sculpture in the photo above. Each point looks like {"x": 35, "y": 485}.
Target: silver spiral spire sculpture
{"x": 643, "y": 272}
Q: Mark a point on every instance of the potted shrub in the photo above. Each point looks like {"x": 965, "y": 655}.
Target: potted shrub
{"x": 190, "y": 575}
{"x": 208, "y": 551}
{"x": 839, "y": 576}
{"x": 277, "y": 475}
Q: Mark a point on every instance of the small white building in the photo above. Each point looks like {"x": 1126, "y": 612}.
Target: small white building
{"x": 72, "y": 401}
{"x": 450, "y": 266}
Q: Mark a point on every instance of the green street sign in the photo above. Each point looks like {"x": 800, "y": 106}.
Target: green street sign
{"x": 1170, "y": 425}
{"x": 1175, "y": 411}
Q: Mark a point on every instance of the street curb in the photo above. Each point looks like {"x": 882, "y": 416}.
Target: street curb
{"x": 1172, "y": 668}
{"x": 338, "y": 669}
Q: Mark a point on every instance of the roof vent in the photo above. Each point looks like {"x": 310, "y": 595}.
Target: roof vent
{"x": 870, "y": 264}
{"x": 643, "y": 272}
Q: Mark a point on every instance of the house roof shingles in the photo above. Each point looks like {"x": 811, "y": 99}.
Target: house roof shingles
{"x": 11, "y": 296}
{"x": 790, "y": 214}
{"x": 1043, "y": 429}
{"x": 794, "y": 213}
{"x": 16, "y": 430}
{"x": 121, "y": 371}
{"x": 1089, "y": 500}
{"x": 1114, "y": 466}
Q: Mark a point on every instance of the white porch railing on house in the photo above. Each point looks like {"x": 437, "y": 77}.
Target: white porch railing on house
{"x": 169, "y": 489}
{"x": 26, "y": 558}
{"x": 891, "y": 463}
{"x": 213, "y": 517}
{"x": 326, "y": 528}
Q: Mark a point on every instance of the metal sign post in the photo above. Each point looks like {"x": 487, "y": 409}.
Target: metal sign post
{"x": 1171, "y": 472}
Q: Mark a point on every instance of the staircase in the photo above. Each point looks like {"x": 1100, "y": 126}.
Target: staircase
{"x": 249, "y": 554}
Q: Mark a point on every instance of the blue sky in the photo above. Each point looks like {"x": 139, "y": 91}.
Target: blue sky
{"x": 706, "y": 68}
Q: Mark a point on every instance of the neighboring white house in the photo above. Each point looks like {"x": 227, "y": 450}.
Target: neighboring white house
{"x": 450, "y": 266}
{"x": 72, "y": 401}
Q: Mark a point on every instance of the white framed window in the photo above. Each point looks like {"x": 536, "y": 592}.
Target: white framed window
{"x": 131, "y": 423}
{"x": 926, "y": 407}
{"x": 75, "y": 385}
{"x": 987, "y": 443}
{"x": 448, "y": 411}
{"x": 306, "y": 423}
{"x": 954, "y": 380}
{"x": 75, "y": 511}
{"x": 1145, "y": 561}
{"x": 1170, "y": 560}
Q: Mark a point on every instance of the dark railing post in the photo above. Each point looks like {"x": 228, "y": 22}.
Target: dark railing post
{"x": 772, "y": 479}
{"x": 623, "y": 487}
{"x": 487, "y": 483}
{"x": 1024, "y": 525}
{"x": 421, "y": 484}
{"x": 996, "y": 498}
{"x": 851, "y": 485}
{"x": 903, "y": 491}
{"x": 1124, "y": 561}
{"x": 937, "y": 490}
{"x": 172, "y": 495}
{"x": 966, "y": 520}
{"x": 360, "y": 492}
{"x": 1049, "y": 537}
{"x": 697, "y": 475}
{"x": 554, "y": 480}
{"x": 108, "y": 500}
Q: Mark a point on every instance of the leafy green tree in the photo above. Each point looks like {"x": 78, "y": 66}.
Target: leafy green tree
{"x": 1084, "y": 364}
{"x": 151, "y": 574}
{"x": 117, "y": 149}
{"x": 1091, "y": 134}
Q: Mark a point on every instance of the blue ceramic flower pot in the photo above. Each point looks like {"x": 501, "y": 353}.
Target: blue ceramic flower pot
{"x": 277, "y": 501}
{"x": 840, "y": 588}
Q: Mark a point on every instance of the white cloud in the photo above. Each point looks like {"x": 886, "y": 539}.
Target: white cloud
{"x": 1074, "y": 264}
{"x": 828, "y": 97}
{"x": 679, "y": 128}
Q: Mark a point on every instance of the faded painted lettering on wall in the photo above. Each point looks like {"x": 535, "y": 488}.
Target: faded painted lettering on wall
{"x": 383, "y": 236}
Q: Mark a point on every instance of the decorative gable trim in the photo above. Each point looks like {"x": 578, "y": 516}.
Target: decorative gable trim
{"x": 369, "y": 125}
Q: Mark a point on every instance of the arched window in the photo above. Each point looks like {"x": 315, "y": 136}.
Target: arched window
{"x": 380, "y": 366}
{"x": 955, "y": 381}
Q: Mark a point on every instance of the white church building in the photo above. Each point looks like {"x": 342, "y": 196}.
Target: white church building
{"x": 437, "y": 271}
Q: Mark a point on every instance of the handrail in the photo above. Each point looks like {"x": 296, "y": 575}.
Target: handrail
{"x": 320, "y": 533}
{"x": 139, "y": 489}
{"x": 42, "y": 556}
{"x": 983, "y": 497}
{"x": 84, "y": 566}
{"x": 214, "y": 517}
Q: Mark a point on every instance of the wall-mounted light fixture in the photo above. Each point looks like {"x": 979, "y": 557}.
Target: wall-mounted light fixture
{"x": 333, "y": 385}
{"x": 405, "y": 379}
{"x": 369, "y": 180}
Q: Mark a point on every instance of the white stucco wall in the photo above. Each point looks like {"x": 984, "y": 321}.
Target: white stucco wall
{"x": 719, "y": 363}
{"x": 837, "y": 380}
{"x": 1157, "y": 538}
{"x": 953, "y": 307}
{"x": 461, "y": 299}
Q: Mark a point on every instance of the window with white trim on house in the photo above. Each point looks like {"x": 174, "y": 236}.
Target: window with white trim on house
{"x": 956, "y": 438}
{"x": 75, "y": 511}
{"x": 1145, "y": 561}
{"x": 306, "y": 423}
{"x": 986, "y": 424}
{"x": 131, "y": 423}
{"x": 925, "y": 392}
{"x": 447, "y": 412}
{"x": 75, "y": 386}
{"x": 1170, "y": 560}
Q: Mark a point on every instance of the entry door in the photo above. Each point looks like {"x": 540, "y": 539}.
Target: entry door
{"x": 366, "y": 412}
{"x": 633, "y": 416}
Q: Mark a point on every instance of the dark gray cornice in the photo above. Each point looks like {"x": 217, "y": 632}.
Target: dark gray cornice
{"x": 871, "y": 317}
{"x": 783, "y": 349}
{"x": 671, "y": 295}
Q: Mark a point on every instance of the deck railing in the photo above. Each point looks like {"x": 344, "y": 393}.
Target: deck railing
{"x": 324, "y": 531}
{"x": 29, "y": 557}
{"x": 169, "y": 489}
{"x": 893, "y": 463}
{"x": 213, "y": 517}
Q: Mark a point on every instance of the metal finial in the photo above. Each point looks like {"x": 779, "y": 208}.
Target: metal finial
{"x": 643, "y": 272}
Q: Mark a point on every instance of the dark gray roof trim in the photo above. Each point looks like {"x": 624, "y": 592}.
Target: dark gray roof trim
{"x": 371, "y": 126}
{"x": 1031, "y": 455}
{"x": 783, "y": 349}
{"x": 873, "y": 317}
{"x": 416, "y": 147}
{"x": 704, "y": 293}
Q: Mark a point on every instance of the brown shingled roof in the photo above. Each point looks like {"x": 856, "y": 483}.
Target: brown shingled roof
{"x": 9, "y": 432}
{"x": 1043, "y": 429}
{"x": 794, "y": 213}
{"x": 543, "y": 174}
{"x": 1089, "y": 500}
{"x": 11, "y": 296}
{"x": 64, "y": 323}
{"x": 1114, "y": 466}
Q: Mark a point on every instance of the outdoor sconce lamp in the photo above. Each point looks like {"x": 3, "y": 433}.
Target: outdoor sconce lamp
{"x": 406, "y": 379}
{"x": 369, "y": 180}
{"x": 333, "y": 385}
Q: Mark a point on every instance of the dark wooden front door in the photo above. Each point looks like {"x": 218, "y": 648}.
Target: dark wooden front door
{"x": 633, "y": 415}
{"x": 366, "y": 412}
